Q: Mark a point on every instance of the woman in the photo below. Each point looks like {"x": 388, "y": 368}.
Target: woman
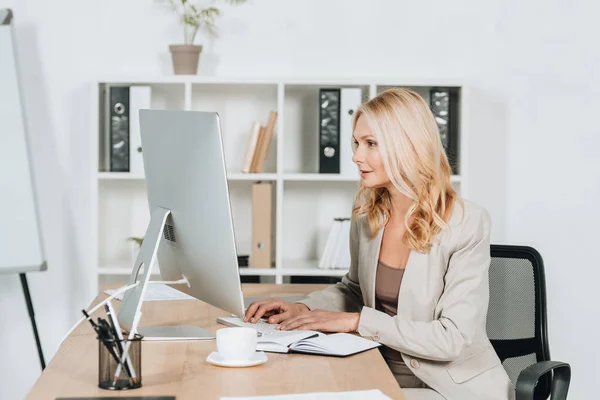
{"x": 418, "y": 280}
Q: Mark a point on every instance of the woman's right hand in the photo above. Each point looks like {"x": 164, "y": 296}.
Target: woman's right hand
{"x": 276, "y": 310}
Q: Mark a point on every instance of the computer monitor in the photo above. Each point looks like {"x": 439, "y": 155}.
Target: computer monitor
{"x": 191, "y": 229}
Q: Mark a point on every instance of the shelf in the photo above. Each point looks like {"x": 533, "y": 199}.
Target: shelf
{"x": 232, "y": 80}
{"x": 319, "y": 178}
{"x": 308, "y": 268}
{"x": 120, "y": 271}
{"x": 246, "y": 271}
{"x": 336, "y": 178}
{"x": 251, "y": 177}
{"x": 120, "y": 176}
{"x": 231, "y": 177}
{"x": 243, "y": 271}
{"x": 239, "y": 176}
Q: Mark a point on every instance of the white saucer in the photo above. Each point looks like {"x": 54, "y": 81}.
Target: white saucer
{"x": 216, "y": 359}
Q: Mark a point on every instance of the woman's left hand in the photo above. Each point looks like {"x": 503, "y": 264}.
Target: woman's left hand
{"x": 322, "y": 320}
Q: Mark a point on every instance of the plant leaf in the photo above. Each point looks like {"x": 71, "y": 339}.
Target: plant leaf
{"x": 194, "y": 17}
{"x": 210, "y": 12}
{"x": 190, "y": 20}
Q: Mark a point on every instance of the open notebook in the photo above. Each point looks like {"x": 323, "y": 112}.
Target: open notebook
{"x": 310, "y": 342}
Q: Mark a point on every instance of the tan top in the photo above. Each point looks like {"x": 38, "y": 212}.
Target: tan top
{"x": 387, "y": 288}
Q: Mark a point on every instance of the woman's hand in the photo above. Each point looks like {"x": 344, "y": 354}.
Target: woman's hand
{"x": 324, "y": 321}
{"x": 276, "y": 310}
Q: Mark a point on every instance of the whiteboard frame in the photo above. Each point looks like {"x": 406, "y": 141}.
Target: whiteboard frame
{"x": 43, "y": 266}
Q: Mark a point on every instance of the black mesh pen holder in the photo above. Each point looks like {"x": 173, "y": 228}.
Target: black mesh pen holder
{"x": 114, "y": 374}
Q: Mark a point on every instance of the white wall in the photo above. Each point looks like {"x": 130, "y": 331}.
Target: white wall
{"x": 534, "y": 64}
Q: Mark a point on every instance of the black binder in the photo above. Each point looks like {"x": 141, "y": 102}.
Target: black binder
{"x": 444, "y": 103}
{"x": 329, "y": 131}
{"x": 119, "y": 128}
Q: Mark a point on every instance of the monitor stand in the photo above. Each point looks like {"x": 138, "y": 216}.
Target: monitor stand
{"x": 130, "y": 312}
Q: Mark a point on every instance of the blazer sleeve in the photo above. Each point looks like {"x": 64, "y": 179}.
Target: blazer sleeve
{"x": 345, "y": 295}
{"x": 462, "y": 307}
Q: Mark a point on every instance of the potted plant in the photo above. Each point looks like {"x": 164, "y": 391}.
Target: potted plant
{"x": 194, "y": 18}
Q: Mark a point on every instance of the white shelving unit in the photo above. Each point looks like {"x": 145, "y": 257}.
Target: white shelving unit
{"x": 305, "y": 201}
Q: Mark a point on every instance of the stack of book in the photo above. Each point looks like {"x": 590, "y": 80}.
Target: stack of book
{"x": 336, "y": 254}
{"x": 258, "y": 144}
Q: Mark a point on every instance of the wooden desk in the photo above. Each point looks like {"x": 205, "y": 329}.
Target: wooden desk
{"x": 180, "y": 369}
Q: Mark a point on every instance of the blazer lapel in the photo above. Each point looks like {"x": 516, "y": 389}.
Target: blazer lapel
{"x": 369, "y": 266}
{"x": 407, "y": 293}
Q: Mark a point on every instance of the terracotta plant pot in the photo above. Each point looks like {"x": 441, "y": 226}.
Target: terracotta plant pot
{"x": 185, "y": 58}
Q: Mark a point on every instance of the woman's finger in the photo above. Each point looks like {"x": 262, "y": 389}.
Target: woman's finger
{"x": 262, "y": 310}
{"x": 272, "y": 312}
{"x": 278, "y": 318}
{"x": 294, "y": 319}
{"x": 251, "y": 310}
{"x": 300, "y": 321}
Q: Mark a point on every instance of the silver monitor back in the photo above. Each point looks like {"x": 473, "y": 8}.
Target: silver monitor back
{"x": 186, "y": 174}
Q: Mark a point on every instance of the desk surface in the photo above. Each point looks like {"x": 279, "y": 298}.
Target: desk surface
{"x": 180, "y": 369}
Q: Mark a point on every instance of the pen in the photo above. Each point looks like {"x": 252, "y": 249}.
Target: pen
{"x": 108, "y": 333}
{"x": 104, "y": 336}
{"x": 136, "y": 321}
{"x": 114, "y": 322}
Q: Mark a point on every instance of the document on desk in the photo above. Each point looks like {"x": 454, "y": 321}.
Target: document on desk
{"x": 156, "y": 292}
{"x": 374, "y": 394}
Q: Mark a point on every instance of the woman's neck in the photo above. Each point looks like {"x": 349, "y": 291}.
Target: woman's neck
{"x": 399, "y": 206}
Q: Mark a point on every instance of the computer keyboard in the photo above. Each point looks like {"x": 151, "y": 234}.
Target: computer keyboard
{"x": 262, "y": 326}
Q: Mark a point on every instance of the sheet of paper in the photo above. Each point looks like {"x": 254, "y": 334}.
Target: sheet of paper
{"x": 157, "y": 291}
{"x": 374, "y": 394}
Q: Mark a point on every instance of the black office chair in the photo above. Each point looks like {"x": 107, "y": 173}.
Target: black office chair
{"x": 516, "y": 324}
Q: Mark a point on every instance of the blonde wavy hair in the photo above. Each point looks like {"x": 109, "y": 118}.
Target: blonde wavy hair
{"x": 416, "y": 163}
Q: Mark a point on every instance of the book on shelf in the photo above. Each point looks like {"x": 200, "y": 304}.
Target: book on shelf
{"x": 312, "y": 342}
{"x": 258, "y": 144}
{"x": 252, "y": 142}
{"x": 444, "y": 104}
{"x": 336, "y": 253}
{"x": 262, "y": 219}
{"x": 121, "y": 149}
{"x": 336, "y": 112}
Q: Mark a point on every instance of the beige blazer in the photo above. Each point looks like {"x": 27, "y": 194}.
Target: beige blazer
{"x": 440, "y": 328}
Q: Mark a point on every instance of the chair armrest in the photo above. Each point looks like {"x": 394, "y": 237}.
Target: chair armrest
{"x": 528, "y": 379}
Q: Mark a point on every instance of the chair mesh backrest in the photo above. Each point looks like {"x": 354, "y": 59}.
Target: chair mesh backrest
{"x": 512, "y": 314}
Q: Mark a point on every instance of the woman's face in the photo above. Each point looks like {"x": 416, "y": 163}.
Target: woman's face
{"x": 367, "y": 156}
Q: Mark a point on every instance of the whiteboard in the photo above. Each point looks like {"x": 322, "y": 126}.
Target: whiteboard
{"x": 20, "y": 240}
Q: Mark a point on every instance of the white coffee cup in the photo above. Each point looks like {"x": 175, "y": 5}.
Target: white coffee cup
{"x": 236, "y": 343}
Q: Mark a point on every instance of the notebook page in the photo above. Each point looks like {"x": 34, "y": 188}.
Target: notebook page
{"x": 337, "y": 344}
{"x": 279, "y": 341}
{"x": 285, "y": 338}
